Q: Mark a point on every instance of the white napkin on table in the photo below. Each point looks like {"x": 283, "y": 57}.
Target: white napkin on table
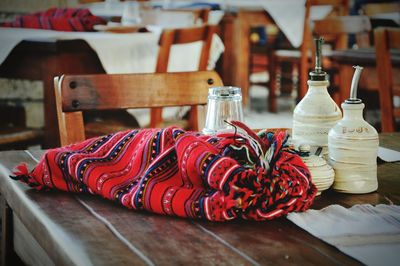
{"x": 370, "y": 234}
{"x": 388, "y": 155}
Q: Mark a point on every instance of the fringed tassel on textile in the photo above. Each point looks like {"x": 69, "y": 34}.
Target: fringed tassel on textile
{"x": 22, "y": 174}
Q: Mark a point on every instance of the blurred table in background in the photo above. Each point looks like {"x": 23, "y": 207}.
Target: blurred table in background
{"x": 365, "y": 57}
{"x": 42, "y": 60}
{"x": 240, "y": 16}
{"x": 42, "y": 54}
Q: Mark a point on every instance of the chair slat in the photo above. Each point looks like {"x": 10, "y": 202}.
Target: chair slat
{"x": 100, "y": 92}
{"x": 77, "y": 93}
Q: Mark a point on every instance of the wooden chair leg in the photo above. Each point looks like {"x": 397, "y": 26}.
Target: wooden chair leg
{"x": 346, "y": 75}
{"x": 303, "y": 78}
{"x": 8, "y": 255}
{"x": 193, "y": 122}
{"x": 272, "y": 106}
{"x": 155, "y": 117}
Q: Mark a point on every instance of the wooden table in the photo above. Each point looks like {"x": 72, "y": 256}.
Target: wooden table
{"x": 365, "y": 57}
{"x": 43, "y": 60}
{"x": 61, "y": 228}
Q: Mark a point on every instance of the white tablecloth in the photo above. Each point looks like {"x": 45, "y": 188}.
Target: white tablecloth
{"x": 104, "y": 9}
{"x": 119, "y": 53}
{"x": 288, "y": 14}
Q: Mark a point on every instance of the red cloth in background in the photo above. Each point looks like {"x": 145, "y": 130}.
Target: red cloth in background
{"x": 61, "y": 19}
{"x": 174, "y": 172}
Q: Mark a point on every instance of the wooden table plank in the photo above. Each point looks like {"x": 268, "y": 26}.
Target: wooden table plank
{"x": 278, "y": 242}
{"x": 166, "y": 240}
{"x": 390, "y": 140}
{"x": 60, "y": 224}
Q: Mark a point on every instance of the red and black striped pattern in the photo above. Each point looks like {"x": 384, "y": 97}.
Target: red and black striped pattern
{"x": 60, "y": 19}
{"x": 174, "y": 172}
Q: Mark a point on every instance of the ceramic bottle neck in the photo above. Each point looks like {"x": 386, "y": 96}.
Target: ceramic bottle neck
{"x": 317, "y": 87}
{"x": 353, "y": 111}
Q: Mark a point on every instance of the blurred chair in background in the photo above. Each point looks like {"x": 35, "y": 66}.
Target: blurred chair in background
{"x": 14, "y": 134}
{"x": 299, "y": 59}
{"x": 381, "y": 7}
{"x": 336, "y": 31}
{"x": 263, "y": 39}
{"x": 387, "y": 47}
{"x": 171, "y": 37}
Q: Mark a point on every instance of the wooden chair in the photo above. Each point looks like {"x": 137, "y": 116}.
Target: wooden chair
{"x": 299, "y": 59}
{"x": 385, "y": 40}
{"x": 170, "y": 37}
{"x": 335, "y": 31}
{"x": 77, "y": 93}
{"x": 14, "y": 134}
{"x": 372, "y": 9}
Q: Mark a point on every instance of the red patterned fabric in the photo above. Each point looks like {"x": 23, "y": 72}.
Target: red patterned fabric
{"x": 61, "y": 19}
{"x": 173, "y": 172}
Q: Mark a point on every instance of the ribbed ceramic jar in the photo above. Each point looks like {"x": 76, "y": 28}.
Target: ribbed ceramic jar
{"x": 322, "y": 174}
{"x": 314, "y": 116}
{"x": 353, "y": 147}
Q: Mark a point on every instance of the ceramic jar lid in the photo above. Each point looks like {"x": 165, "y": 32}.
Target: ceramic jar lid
{"x": 322, "y": 173}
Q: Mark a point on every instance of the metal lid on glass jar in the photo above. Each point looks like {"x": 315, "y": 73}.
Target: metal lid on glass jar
{"x": 225, "y": 92}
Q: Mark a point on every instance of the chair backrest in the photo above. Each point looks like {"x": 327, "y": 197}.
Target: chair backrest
{"x": 387, "y": 40}
{"x": 372, "y": 9}
{"x": 77, "y": 93}
{"x": 170, "y": 37}
{"x": 337, "y": 29}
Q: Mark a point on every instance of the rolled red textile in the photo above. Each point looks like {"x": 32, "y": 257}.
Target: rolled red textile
{"x": 60, "y": 19}
{"x": 173, "y": 172}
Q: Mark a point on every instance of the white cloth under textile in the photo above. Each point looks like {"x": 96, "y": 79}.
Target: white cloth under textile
{"x": 370, "y": 234}
{"x": 119, "y": 53}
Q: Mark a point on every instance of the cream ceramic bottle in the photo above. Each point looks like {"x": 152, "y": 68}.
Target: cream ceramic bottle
{"x": 316, "y": 113}
{"x": 353, "y": 147}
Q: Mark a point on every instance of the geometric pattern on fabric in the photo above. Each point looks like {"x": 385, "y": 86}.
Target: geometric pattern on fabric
{"x": 60, "y": 19}
{"x": 175, "y": 172}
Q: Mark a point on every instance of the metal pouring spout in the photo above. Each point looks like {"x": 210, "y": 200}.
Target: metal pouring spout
{"x": 354, "y": 85}
{"x": 318, "y": 74}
